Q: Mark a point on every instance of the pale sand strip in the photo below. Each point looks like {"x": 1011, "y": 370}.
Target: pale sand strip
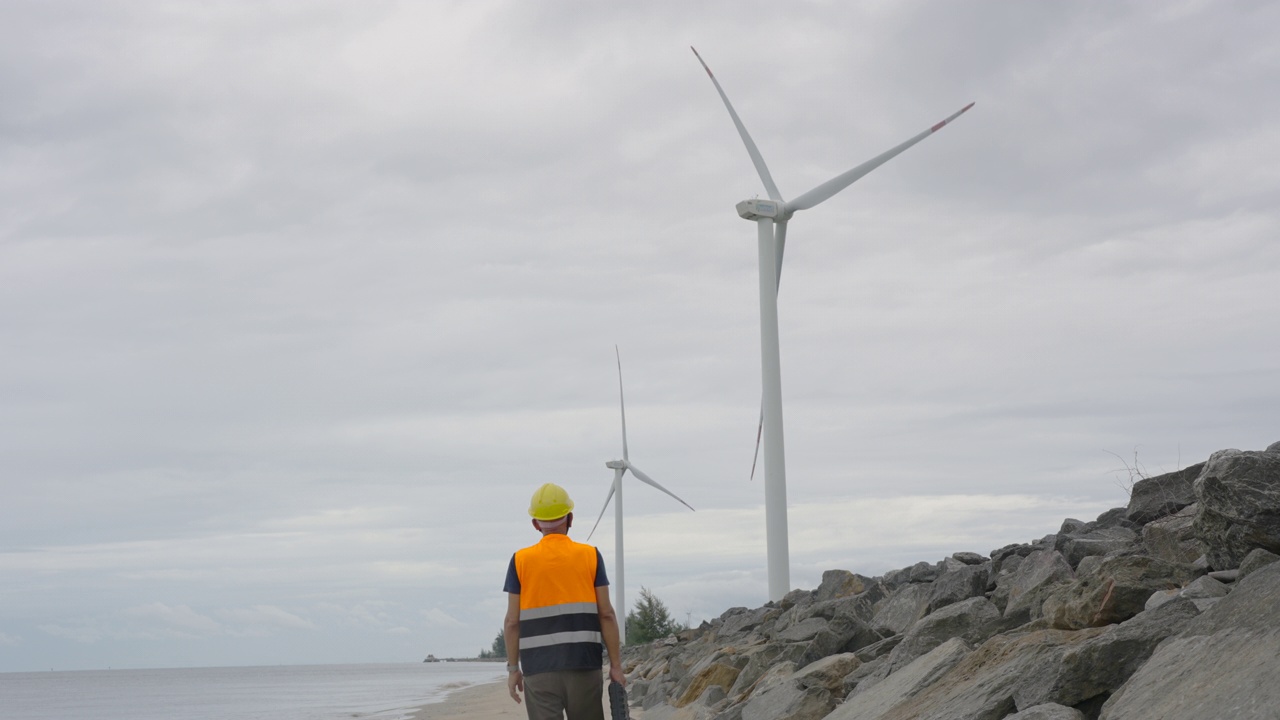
{"x": 489, "y": 700}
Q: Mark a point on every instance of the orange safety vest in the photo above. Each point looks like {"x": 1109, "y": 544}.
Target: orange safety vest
{"x": 559, "y": 620}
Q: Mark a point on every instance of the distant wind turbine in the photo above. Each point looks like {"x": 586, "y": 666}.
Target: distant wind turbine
{"x": 620, "y": 467}
{"x": 768, "y": 214}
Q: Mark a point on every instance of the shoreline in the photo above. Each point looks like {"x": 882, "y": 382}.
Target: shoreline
{"x": 484, "y": 700}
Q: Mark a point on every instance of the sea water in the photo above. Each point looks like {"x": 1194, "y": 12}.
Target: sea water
{"x": 301, "y": 692}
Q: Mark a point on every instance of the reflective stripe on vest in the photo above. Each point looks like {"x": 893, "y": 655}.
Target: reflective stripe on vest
{"x": 559, "y": 619}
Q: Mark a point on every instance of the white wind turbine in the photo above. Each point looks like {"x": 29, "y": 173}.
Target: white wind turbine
{"x": 768, "y": 214}
{"x": 620, "y": 467}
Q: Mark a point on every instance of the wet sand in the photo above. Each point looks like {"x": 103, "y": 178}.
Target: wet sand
{"x": 489, "y": 700}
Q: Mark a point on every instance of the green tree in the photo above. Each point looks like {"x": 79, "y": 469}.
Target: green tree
{"x": 498, "y": 649}
{"x": 650, "y": 620}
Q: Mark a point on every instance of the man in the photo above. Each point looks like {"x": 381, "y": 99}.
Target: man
{"x": 558, "y": 614}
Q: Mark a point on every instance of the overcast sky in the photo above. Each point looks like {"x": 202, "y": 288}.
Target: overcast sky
{"x": 299, "y": 302}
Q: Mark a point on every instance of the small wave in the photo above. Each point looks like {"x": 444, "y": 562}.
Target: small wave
{"x": 455, "y": 685}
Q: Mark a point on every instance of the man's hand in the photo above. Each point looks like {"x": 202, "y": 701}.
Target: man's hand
{"x": 515, "y": 684}
{"x": 616, "y": 675}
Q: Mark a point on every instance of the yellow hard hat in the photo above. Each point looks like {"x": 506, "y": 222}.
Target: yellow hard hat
{"x": 550, "y": 502}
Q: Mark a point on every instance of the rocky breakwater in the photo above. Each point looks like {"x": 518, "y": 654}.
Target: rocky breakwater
{"x": 1168, "y": 608}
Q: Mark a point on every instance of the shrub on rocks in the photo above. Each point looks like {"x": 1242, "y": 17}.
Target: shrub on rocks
{"x": 1155, "y": 497}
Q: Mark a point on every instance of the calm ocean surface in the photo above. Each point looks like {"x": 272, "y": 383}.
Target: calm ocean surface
{"x": 302, "y": 692}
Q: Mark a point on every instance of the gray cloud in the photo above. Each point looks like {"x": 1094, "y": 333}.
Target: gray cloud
{"x": 300, "y": 302}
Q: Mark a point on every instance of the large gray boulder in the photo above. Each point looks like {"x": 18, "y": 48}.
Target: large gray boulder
{"x": 809, "y": 694}
{"x": 1173, "y": 537}
{"x": 1256, "y": 560}
{"x": 878, "y": 649}
{"x": 1093, "y": 669}
{"x": 1239, "y": 496}
{"x": 902, "y": 608}
{"x": 789, "y": 701}
{"x": 1162, "y": 495}
{"x": 921, "y": 572}
{"x": 962, "y": 583}
{"x": 828, "y": 673}
{"x": 861, "y": 607}
{"x": 717, "y": 669}
{"x": 1112, "y": 590}
{"x": 1222, "y": 665}
{"x": 760, "y": 659}
{"x": 739, "y": 620}
{"x": 1000, "y": 556}
{"x": 973, "y": 620}
{"x": 1115, "y": 517}
{"x": 803, "y": 631}
{"x": 986, "y": 685}
{"x": 876, "y": 701}
{"x": 841, "y": 583}
{"x": 1101, "y": 541}
{"x": 1031, "y": 583}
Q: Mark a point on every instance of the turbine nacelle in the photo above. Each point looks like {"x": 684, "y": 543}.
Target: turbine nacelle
{"x": 616, "y": 464}
{"x": 757, "y": 209}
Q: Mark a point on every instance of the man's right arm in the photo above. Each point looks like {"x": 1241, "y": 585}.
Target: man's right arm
{"x": 511, "y": 633}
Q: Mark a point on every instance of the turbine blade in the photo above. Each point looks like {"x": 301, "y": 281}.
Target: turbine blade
{"x": 648, "y": 480}
{"x": 781, "y": 234}
{"x": 844, "y": 180}
{"x": 756, "y": 158}
{"x": 759, "y": 432}
{"x": 606, "y": 507}
{"x": 622, "y": 403}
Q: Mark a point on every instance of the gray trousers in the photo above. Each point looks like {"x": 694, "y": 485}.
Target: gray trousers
{"x": 547, "y": 696}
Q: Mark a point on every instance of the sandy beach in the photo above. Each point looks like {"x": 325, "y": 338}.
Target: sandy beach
{"x": 489, "y": 700}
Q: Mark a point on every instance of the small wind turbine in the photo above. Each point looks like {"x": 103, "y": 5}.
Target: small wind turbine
{"x": 620, "y": 467}
{"x": 767, "y": 214}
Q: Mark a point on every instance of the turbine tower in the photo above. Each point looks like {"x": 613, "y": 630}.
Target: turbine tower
{"x": 620, "y": 467}
{"x": 771, "y": 217}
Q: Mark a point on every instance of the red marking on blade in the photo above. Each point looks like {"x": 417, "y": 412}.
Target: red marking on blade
{"x": 939, "y": 125}
{"x": 704, "y": 62}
